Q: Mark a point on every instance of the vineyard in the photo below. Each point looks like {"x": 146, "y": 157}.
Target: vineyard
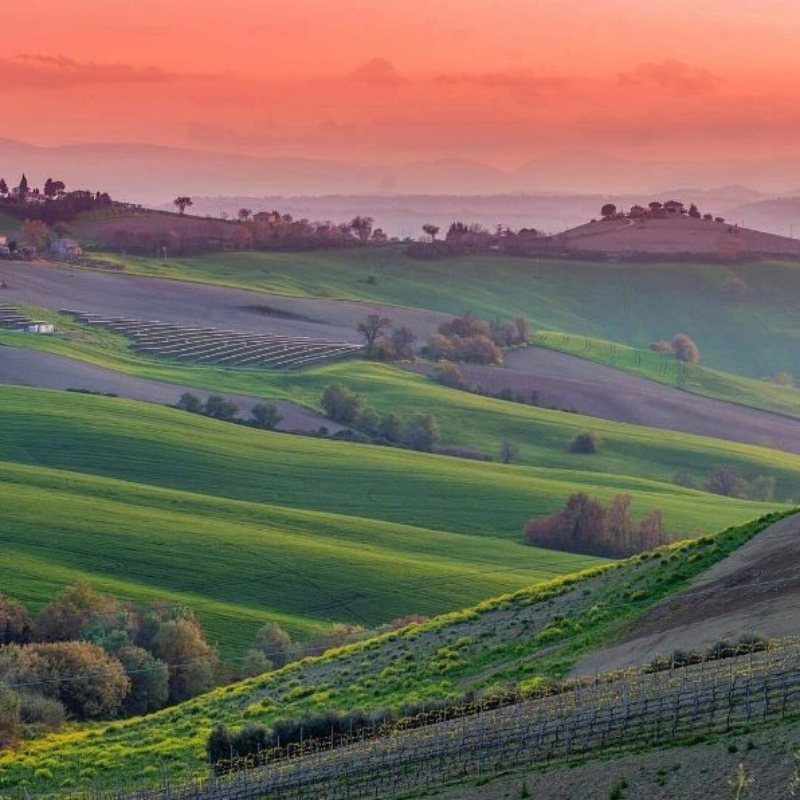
{"x": 583, "y": 717}
{"x": 220, "y": 347}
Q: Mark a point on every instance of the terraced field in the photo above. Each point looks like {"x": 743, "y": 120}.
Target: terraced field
{"x": 225, "y": 347}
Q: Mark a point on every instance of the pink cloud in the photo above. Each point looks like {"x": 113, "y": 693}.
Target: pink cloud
{"x": 672, "y": 75}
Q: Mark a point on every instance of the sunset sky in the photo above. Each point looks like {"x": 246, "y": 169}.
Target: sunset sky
{"x": 501, "y": 81}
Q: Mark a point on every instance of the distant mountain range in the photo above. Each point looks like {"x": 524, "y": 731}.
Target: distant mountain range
{"x": 154, "y": 174}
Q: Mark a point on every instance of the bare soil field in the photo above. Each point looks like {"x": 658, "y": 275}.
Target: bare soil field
{"x": 23, "y": 367}
{"x": 675, "y": 236}
{"x": 184, "y": 303}
{"x": 567, "y": 382}
{"x": 756, "y": 590}
{"x": 702, "y": 771}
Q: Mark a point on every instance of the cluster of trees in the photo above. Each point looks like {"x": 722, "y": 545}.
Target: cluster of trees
{"x": 657, "y": 210}
{"x": 420, "y": 432}
{"x": 52, "y": 204}
{"x": 585, "y": 526}
{"x": 682, "y": 347}
{"x": 394, "y": 345}
{"x": 88, "y": 656}
{"x": 471, "y": 340}
{"x": 465, "y": 239}
{"x": 263, "y": 415}
{"x": 729, "y": 482}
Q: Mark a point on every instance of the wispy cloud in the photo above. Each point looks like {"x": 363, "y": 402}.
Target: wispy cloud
{"x": 31, "y": 71}
{"x": 672, "y": 75}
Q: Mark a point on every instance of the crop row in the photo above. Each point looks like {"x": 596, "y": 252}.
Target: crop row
{"x": 586, "y": 717}
{"x": 214, "y": 346}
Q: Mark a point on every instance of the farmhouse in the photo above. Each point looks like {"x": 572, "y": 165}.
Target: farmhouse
{"x": 66, "y": 248}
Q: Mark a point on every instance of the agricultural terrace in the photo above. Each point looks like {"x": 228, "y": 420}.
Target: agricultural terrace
{"x": 744, "y": 316}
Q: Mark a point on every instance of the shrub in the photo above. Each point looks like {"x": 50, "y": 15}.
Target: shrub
{"x": 727, "y": 481}
{"x": 40, "y": 714}
{"x": 662, "y": 346}
{"x": 190, "y": 402}
{"x": 341, "y": 405}
{"x": 448, "y": 374}
{"x": 266, "y": 416}
{"x": 422, "y": 432}
{"x": 685, "y": 349}
{"x": 586, "y": 442}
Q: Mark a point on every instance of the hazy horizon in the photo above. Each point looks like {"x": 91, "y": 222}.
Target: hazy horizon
{"x": 384, "y": 85}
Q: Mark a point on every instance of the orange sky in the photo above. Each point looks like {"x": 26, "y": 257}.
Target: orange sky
{"x": 502, "y": 81}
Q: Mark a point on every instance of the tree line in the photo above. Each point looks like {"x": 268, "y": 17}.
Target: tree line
{"x": 588, "y": 527}
{"x": 86, "y": 655}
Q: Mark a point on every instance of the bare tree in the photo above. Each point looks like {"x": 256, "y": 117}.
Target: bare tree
{"x": 371, "y": 328}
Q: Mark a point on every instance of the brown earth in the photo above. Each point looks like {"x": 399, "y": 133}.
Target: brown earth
{"x": 678, "y": 235}
{"x": 562, "y": 381}
{"x": 567, "y": 382}
{"x": 56, "y": 287}
{"x": 23, "y": 367}
{"x": 755, "y": 591}
{"x": 770, "y": 758}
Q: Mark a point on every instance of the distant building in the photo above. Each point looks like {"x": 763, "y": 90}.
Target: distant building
{"x": 674, "y": 207}
{"x": 40, "y": 327}
{"x": 637, "y": 211}
{"x": 66, "y": 248}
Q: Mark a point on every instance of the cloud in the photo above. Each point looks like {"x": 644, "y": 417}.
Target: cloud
{"x": 377, "y": 71}
{"x": 29, "y": 71}
{"x": 672, "y": 75}
{"x": 519, "y": 83}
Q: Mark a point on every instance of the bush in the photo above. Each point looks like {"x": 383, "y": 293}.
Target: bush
{"x": 728, "y": 482}
{"x": 266, "y": 416}
{"x": 685, "y": 349}
{"x": 341, "y": 405}
{"x": 586, "y": 442}
{"x": 40, "y": 714}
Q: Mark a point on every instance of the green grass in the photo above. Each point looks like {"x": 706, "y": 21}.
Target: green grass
{"x": 629, "y": 303}
{"x": 245, "y": 525}
{"x": 666, "y": 369}
{"x": 527, "y": 637}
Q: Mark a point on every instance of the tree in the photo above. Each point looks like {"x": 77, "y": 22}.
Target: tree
{"x": 422, "y": 432}
{"x": 9, "y": 716}
{"x": 217, "y": 407}
{"x": 727, "y": 481}
{"x": 53, "y": 188}
{"x": 363, "y": 227}
{"x": 431, "y": 230}
{"x": 64, "y": 618}
{"x": 341, "y": 404}
{"x": 763, "y": 488}
{"x": 402, "y": 340}
{"x": 16, "y": 625}
{"x": 586, "y": 442}
{"x": 3, "y": 187}
{"x": 508, "y": 452}
{"x": 390, "y": 428}
{"x": 182, "y": 203}
{"x": 275, "y": 644}
{"x": 191, "y": 661}
{"x": 244, "y": 214}
{"x": 651, "y": 530}
{"x": 88, "y": 681}
{"x": 266, "y": 416}
{"x": 23, "y": 186}
{"x": 608, "y": 211}
{"x": 190, "y": 402}
{"x": 619, "y": 526}
{"x": 685, "y": 349}
{"x": 371, "y": 328}
{"x": 694, "y": 212}
{"x": 149, "y": 679}
{"x": 34, "y": 231}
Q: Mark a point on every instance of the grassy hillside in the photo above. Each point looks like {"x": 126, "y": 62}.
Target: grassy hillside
{"x": 694, "y": 378}
{"x": 528, "y": 637}
{"x": 629, "y": 303}
{"x": 239, "y": 564}
{"x": 245, "y": 524}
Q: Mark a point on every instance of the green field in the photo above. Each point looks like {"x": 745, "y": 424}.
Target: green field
{"x": 663, "y": 368}
{"x": 526, "y": 638}
{"x": 633, "y": 304}
{"x": 246, "y": 525}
